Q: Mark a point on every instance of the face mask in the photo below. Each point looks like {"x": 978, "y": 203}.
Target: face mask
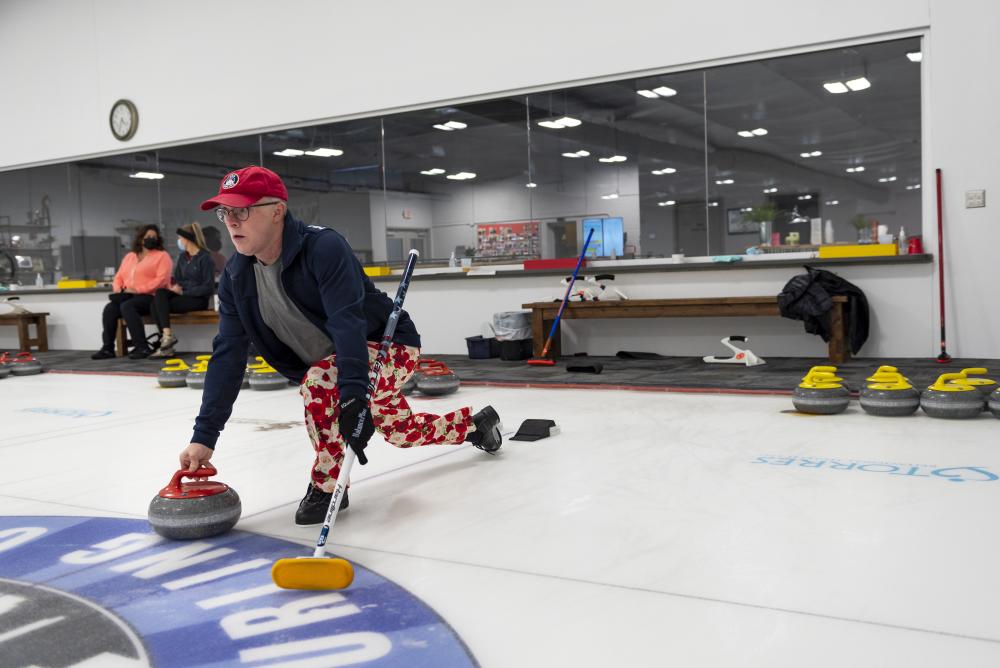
{"x": 180, "y": 244}
{"x": 150, "y": 243}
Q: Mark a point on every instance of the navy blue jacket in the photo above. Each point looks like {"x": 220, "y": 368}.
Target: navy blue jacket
{"x": 195, "y": 275}
{"x": 324, "y": 279}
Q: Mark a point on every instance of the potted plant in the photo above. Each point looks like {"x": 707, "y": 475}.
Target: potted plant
{"x": 863, "y": 226}
{"x": 764, "y": 215}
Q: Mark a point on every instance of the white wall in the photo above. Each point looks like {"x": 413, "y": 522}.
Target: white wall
{"x": 170, "y": 59}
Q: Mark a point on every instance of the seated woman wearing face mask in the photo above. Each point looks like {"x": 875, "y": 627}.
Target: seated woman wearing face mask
{"x": 142, "y": 272}
{"x": 192, "y": 284}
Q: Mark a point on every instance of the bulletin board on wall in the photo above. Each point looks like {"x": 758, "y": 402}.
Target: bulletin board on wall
{"x": 518, "y": 240}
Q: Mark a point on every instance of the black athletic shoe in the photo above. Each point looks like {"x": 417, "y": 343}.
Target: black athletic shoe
{"x": 313, "y": 507}
{"x": 103, "y": 354}
{"x": 486, "y": 437}
{"x": 139, "y": 353}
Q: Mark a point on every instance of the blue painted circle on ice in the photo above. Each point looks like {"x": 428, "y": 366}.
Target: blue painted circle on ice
{"x": 212, "y": 602}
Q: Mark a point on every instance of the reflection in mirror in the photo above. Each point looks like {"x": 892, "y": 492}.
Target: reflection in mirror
{"x": 456, "y": 182}
{"x": 773, "y": 155}
{"x": 784, "y": 136}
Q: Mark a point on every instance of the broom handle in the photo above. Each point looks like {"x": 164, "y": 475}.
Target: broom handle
{"x": 940, "y": 230}
{"x": 569, "y": 289}
{"x": 383, "y": 355}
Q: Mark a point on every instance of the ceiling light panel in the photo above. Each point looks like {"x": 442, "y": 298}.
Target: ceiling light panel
{"x": 325, "y": 152}
{"x": 860, "y": 83}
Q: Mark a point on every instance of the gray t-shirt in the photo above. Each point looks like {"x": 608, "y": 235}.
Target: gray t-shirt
{"x": 286, "y": 320}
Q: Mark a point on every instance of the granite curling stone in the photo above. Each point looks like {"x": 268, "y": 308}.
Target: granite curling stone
{"x": 889, "y": 395}
{"x": 4, "y": 370}
{"x": 192, "y": 510}
{"x": 24, "y": 364}
{"x": 986, "y": 386}
{"x": 435, "y": 378}
{"x": 264, "y": 377}
{"x": 953, "y": 400}
{"x": 174, "y": 374}
{"x": 409, "y": 386}
{"x": 196, "y": 375}
{"x": 821, "y": 392}
{"x": 993, "y": 403}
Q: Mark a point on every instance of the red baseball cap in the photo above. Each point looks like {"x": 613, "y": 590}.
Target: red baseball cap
{"x": 245, "y": 186}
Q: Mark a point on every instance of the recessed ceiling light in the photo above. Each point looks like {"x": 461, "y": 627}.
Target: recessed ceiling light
{"x": 461, "y": 176}
{"x": 665, "y": 170}
{"x": 613, "y": 158}
{"x": 289, "y": 152}
{"x": 611, "y": 196}
{"x": 770, "y": 190}
{"x": 746, "y": 209}
{"x": 913, "y": 187}
{"x": 647, "y": 93}
{"x": 760, "y": 132}
{"x": 560, "y": 123}
{"x": 325, "y": 152}
{"x": 713, "y": 204}
{"x": 835, "y": 87}
{"x": 887, "y": 179}
{"x": 805, "y": 197}
{"x": 860, "y": 83}
{"x": 576, "y": 154}
{"x": 665, "y": 91}
{"x": 432, "y": 172}
{"x": 153, "y": 176}
{"x": 745, "y": 133}
{"x": 832, "y": 202}
{"x": 456, "y": 125}
{"x": 811, "y": 154}
{"x": 723, "y": 182}
{"x": 530, "y": 185}
{"x": 859, "y": 168}
{"x": 669, "y": 202}
{"x": 915, "y": 56}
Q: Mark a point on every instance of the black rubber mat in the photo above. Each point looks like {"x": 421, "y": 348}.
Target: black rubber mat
{"x": 780, "y": 374}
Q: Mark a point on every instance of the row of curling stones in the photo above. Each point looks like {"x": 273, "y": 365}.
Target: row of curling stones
{"x": 22, "y": 364}
{"x": 432, "y": 378}
{"x": 258, "y": 376}
{"x": 192, "y": 510}
{"x": 889, "y": 394}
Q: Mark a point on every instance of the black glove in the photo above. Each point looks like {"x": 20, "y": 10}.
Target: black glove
{"x": 356, "y": 425}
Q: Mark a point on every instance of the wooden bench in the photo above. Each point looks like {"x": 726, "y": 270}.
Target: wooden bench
{"x": 24, "y": 339}
{"x": 544, "y": 313}
{"x": 189, "y": 318}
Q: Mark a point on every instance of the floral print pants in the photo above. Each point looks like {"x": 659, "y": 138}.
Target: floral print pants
{"x": 391, "y": 415}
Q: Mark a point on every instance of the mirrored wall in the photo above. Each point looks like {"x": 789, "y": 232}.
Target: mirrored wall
{"x": 765, "y": 156}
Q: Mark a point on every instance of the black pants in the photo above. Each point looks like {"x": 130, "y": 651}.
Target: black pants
{"x": 129, "y": 307}
{"x": 166, "y": 302}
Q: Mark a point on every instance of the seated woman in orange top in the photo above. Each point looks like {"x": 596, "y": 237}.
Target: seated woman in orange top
{"x": 141, "y": 274}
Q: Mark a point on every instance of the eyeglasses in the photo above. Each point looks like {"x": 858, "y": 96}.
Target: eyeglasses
{"x": 240, "y": 213}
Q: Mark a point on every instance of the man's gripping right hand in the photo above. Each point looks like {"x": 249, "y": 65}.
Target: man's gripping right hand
{"x": 194, "y": 456}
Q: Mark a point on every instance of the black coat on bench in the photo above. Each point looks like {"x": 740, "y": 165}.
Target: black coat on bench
{"x": 807, "y": 297}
